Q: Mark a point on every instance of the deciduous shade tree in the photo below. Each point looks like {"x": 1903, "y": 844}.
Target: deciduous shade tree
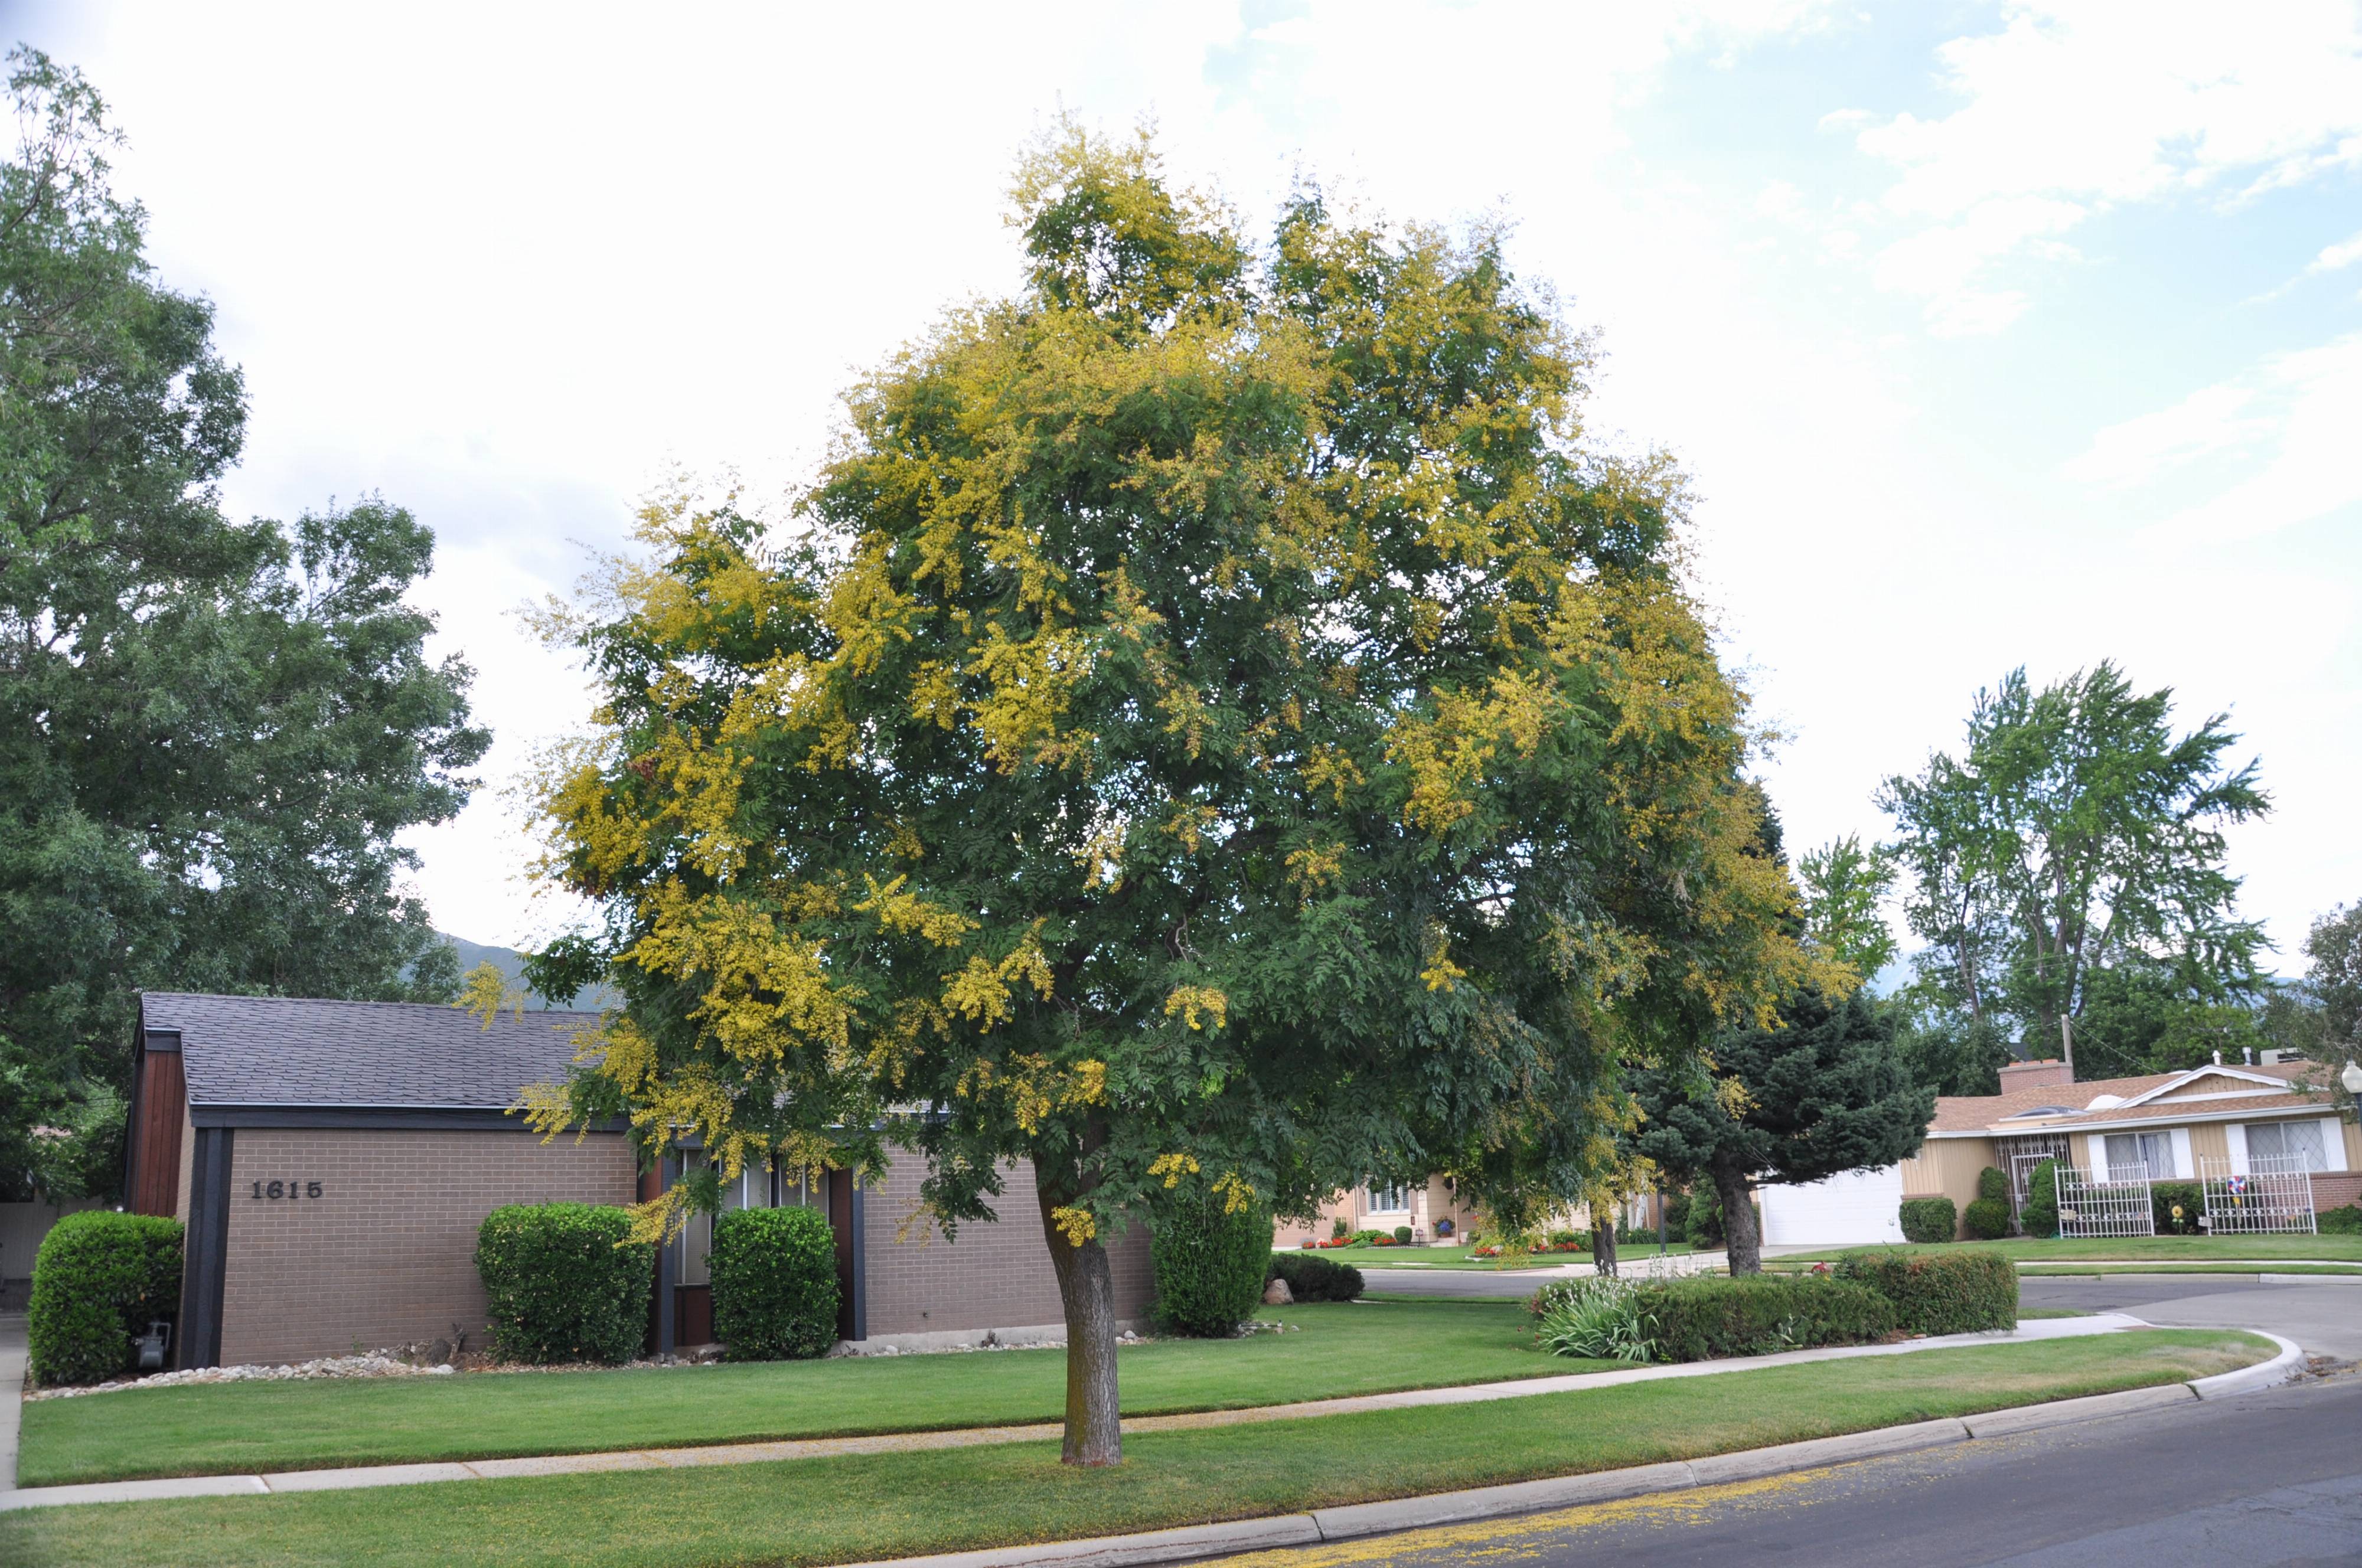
{"x": 1211, "y": 724}
{"x": 2075, "y": 831}
{"x": 1825, "y": 1091}
{"x": 1843, "y": 883}
{"x": 210, "y": 732}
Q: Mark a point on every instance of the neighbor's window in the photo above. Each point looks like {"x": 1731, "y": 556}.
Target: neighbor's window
{"x": 2132, "y": 1154}
{"x": 1389, "y": 1200}
{"x": 2290, "y": 1141}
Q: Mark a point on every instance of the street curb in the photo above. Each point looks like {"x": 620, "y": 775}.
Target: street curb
{"x": 2066, "y": 1412}
{"x": 2247, "y": 1379}
{"x": 1190, "y": 1543}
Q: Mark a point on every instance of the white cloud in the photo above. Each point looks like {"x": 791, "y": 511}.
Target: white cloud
{"x": 2067, "y": 110}
{"x": 2207, "y": 420}
{"x": 2291, "y": 421}
{"x": 2335, "y": 256}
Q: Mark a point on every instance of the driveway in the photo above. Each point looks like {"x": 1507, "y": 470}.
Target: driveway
{"x": 2325, "y": 1316}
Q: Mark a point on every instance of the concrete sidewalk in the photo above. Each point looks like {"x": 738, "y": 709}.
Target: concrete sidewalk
{"x": 817, "y": 1448}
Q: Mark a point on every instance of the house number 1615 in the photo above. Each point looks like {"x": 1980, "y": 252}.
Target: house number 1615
{"x": 293, "y": 1189}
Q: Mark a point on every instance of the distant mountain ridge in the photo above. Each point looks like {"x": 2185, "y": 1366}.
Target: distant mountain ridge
{"x": 510, "y": 962}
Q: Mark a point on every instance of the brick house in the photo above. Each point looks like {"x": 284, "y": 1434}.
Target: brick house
{"x": 333, "y": 1160}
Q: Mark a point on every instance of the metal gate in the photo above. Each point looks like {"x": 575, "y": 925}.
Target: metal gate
{"x": 2114, "y": 1202}
{"x": 2019, "y": 1157}
{"x": 2271, "y": 1194}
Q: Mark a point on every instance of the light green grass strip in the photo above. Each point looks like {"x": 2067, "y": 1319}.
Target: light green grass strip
{"x": 1331, "y": 1351}
{"x": 850, "y": 1509}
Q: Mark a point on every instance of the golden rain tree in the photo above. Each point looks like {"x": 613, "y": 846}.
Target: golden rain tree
{"x": 1212, "y": 724}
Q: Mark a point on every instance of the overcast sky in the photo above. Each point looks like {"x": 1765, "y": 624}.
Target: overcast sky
{"x": 1993, "y": 335}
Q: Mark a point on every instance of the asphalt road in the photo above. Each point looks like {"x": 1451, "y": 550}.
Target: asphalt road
{"x": 2269, "y": 1480}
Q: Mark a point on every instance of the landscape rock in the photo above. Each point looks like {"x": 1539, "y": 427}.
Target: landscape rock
{"x": 1276, "y": 1293}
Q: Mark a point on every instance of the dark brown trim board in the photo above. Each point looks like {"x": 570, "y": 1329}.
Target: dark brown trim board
{"x": 206, "y": 1268}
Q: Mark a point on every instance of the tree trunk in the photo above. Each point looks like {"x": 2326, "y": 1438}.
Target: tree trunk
{"x": 1743, "y": 1247}
{"x": 1086, "y": 1292}
{"x": 1603, "y": 1241}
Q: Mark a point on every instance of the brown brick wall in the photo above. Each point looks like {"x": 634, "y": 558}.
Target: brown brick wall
{"x": 387, "y": 1254}
{"x": 994, "y": 1275}
{"x": 2333, "y": 1189}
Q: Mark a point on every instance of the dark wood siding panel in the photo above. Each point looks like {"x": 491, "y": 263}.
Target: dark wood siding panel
{"x": 162, "y": 1097}
{"x": 694, "y": 1310}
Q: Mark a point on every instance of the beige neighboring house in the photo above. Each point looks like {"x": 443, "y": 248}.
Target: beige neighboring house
{"x": 2208, "y": 1121}
{"x": 2178, "y": 1126}
{"x": 1376, "y": 1207}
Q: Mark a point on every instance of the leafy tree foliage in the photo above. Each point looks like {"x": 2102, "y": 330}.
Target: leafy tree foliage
{"x": 1212, "y": 725}
{"x": 210, "y": 732}
{"x": 1843, "y": 883}
{"x": 2076, "y": 832}
{"x": 1825, "y": 1091}
{"x": 2334, "y": 976}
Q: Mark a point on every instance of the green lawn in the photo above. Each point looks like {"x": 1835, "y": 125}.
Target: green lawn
{"x": 1366, "y": 1256}
{"x": 2133, "y": 1249}
{"x": 863, "y": 1508}
{"x": 2235, "y": 1271}
{"x": 227, "y": 1429}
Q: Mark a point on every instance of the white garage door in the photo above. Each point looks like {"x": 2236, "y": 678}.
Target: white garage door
{"x": 1849, "y": 1210}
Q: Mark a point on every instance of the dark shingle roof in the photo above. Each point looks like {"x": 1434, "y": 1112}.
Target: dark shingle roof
{"x": 289, "y": 1051}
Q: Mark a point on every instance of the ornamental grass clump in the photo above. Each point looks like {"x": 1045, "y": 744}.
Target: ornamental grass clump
{"x": 775, "y": 1292}
{"x": 1603, "y": 1318}
{"x": 565, "y": 1283}
{"x": 99, "y": 1279}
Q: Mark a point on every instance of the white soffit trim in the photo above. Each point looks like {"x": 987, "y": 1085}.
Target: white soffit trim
{"x": 2276, "y": 1085}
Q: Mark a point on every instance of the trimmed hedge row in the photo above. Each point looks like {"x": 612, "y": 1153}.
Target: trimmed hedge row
{"x": 1211, "y": 1263}
{"x": 774, "y": 1274}
{"x": 1311, "y": 1277}
{"x": 2343, "y": 1220}
{"x": 1701, "y": 1319}
{"x": 98, "y": 1280}
{"x": 563, "y": 1282}
{"x": 1940, "y": 1292}
{"x": 1928, "y": 1219}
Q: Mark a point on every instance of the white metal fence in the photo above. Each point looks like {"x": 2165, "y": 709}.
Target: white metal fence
{"x": 2113, "y": 1201}
{"x": 2269, "y": 1194}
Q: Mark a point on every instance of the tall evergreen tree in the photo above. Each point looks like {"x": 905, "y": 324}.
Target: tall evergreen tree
{"x": 1826, "y": 1091}
{"x": 1216, "y": 723}
{"x": 210, "y": 732}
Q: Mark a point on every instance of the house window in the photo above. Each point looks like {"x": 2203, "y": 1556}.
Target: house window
{"x": 2294, "y": 1142}
{"x": 1389, "y": 1200}
{"x": 2135, "y": 1154}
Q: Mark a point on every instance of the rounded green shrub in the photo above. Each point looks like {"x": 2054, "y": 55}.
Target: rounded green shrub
{"x": 1928, "y": 1219}
{"x": 1705, "y": 1318}
{"x": 1991, "y": 1183}
{"x": 1965, "y": 1292}
{"x": 2344, "y": 1221}
{"x": 2039, "y": 1217}
{"x": 775, "y": 1294}
{"x": 1403, "y": 1234}
{"x": 563, "y": 1283}
{"x": 1311, "y": 1277}
{"x": 1211, "y": 1263}
{"x": 1986, "y": 1219}
{"x": 98, "y": 1280}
